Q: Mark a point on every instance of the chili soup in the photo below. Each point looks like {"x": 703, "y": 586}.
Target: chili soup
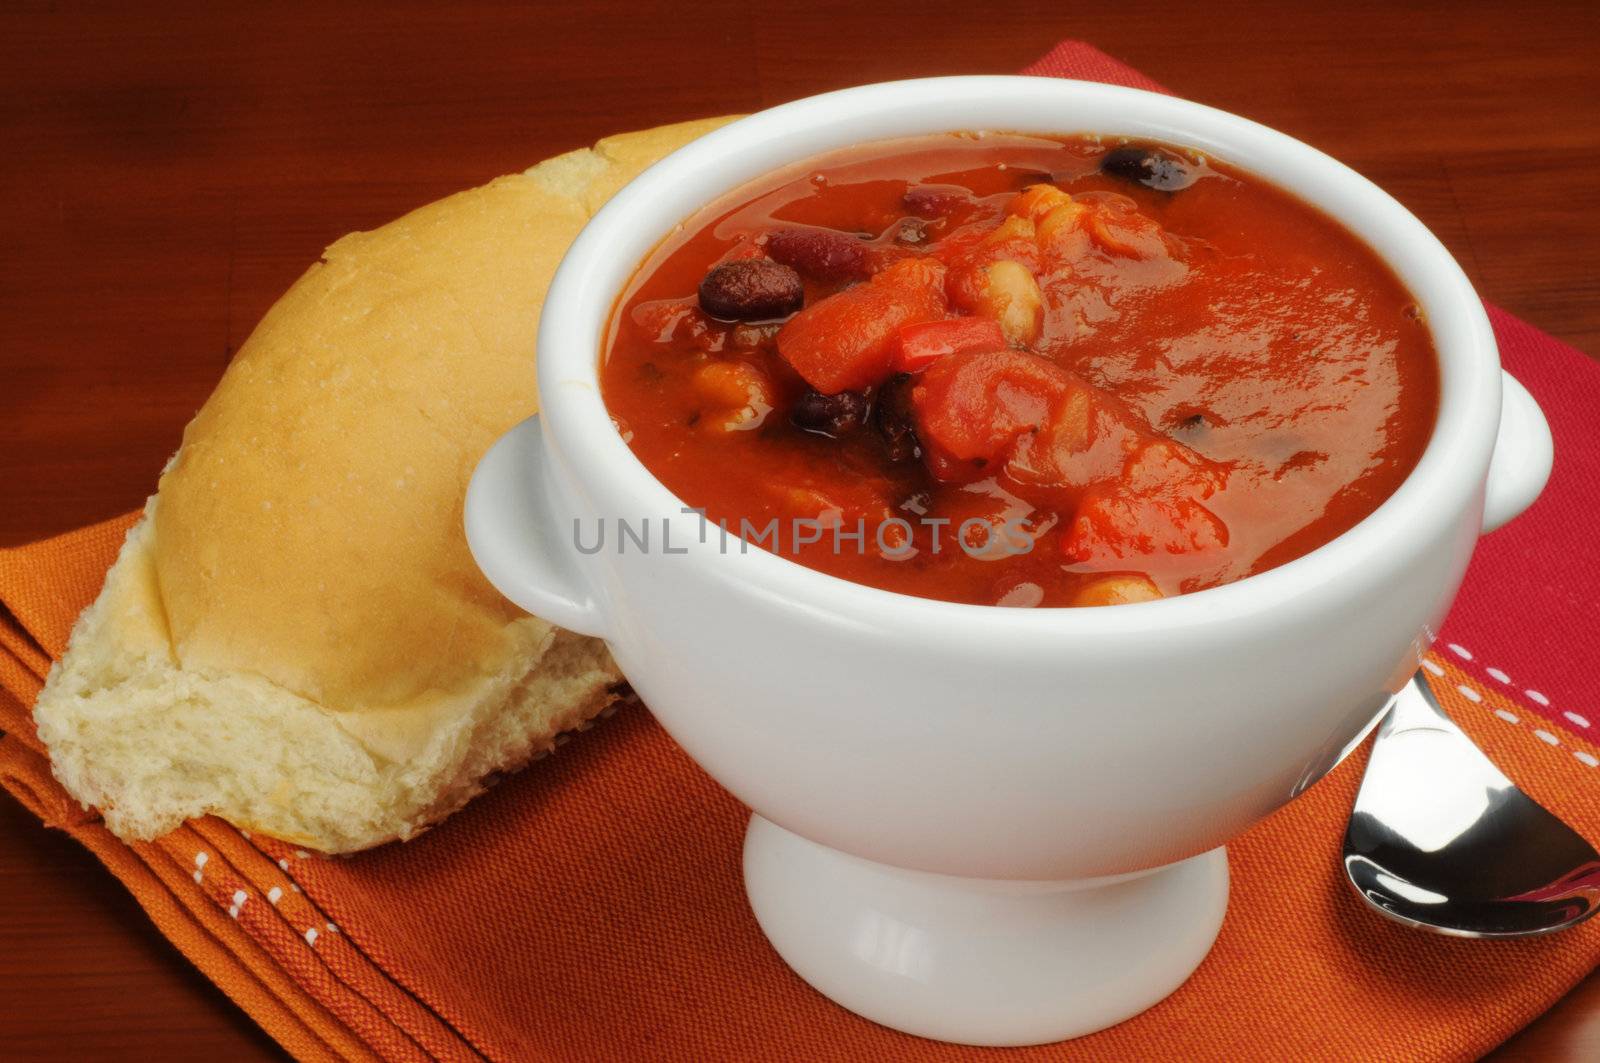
{"x": 1018, "y": 370}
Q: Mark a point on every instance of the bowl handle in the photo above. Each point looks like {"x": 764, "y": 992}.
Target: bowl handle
{"x": 1523, "y": 452}
{"x": 514, "y": 538}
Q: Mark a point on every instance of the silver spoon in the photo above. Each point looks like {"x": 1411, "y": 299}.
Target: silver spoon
{"x": 1440, "y": 839}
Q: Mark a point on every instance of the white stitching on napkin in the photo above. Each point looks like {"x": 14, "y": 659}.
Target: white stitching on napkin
{"x": 1472, "y": 694}
{"x": 1535, "y": 696}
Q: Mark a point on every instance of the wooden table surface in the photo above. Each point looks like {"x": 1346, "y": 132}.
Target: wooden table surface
{"x": 169, "y": 171}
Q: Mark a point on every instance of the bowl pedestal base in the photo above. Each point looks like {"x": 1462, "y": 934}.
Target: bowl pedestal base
{"x": 981, "y": 961}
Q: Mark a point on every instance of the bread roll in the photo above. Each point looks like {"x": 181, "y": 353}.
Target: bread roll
{"x": 295, "y": 637}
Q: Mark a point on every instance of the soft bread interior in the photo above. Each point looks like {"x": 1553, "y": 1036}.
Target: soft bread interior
{"x": 295, "y": 637}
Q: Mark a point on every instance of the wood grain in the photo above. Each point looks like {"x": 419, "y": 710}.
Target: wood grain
{"x": 171, "y": 168}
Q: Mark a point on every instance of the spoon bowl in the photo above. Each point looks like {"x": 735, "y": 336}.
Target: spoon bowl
{"x": 1440, "y": 839}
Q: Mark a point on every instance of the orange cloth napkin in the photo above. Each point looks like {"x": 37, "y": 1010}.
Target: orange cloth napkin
{"x": 591, "y": 907}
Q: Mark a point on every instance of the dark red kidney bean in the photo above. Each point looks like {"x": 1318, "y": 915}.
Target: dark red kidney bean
{"x": 751, "y": 290}
{"x": 830, "y": 415}
{"x": 933, "y": 201}
{"x": 893, "y": 419}
{"x": 1151, "y": 167}
{"x": 822, "y": 254}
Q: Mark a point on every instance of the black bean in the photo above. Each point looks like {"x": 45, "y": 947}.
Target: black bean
{"x": 751, "y": 289}
{"x": 830, "y": 415}
{"x": 1151, "y": 167}
{"x": 892, "y": 417}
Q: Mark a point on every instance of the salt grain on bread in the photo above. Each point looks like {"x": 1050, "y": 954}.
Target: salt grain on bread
{"x": 294, "y": 636}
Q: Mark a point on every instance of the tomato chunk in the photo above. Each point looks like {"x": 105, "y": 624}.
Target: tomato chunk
{"x": 844, "y": 342}
{"x": 1122, "y": 230}
{"x": 971, "y": 253}
{"x": 1112, "y": 527}
{"x": 1021, "y": 414}
{"x": 922, "y": 345}
{"x": 1154, "y": 507}
{"x": 1060, "y": 442}
{"x": 1067, "y": 225}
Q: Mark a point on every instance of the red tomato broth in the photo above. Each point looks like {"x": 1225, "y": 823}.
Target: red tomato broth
{"x": 1279, "y": 352}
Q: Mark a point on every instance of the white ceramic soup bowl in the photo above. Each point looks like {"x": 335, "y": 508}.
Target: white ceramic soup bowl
{"x": 996, "y": 826}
